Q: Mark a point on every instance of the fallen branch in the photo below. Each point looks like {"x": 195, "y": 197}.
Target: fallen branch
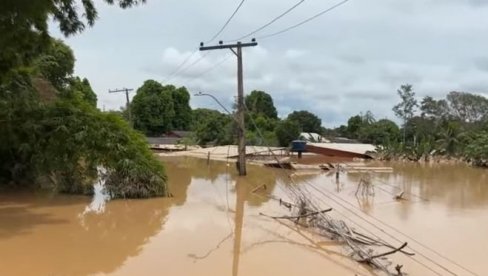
{"x": 369, "y": 259}
{"x": 297, "y": 217}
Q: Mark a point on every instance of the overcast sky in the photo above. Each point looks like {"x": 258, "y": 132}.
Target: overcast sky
{"x": 350, "y": 60}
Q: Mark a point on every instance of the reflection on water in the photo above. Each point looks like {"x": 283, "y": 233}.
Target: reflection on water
{"x": 212, "y": 226}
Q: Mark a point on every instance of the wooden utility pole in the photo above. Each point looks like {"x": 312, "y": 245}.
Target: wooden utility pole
{"x": 240, "y": 95}
{"x": 127, "y": 106}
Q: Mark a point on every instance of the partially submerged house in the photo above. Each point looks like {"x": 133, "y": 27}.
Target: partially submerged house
{"x": 347, "y": 150}
{"x": 171, "y": 141}
{"x": 312, "y": 137}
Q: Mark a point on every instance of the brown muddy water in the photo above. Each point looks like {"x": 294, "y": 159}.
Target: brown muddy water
{"x": 212, "y": 225}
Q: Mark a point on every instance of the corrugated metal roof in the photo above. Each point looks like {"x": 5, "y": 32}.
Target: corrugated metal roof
{"x": 355, "y": 148}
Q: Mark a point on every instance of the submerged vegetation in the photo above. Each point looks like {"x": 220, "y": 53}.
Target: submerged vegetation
{"x": 452, "y": 128}
{"x": 52, "y": 135}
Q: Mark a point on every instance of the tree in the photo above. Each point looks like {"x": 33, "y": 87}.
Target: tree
{"x": 450, "y": 137}
{"x": 435, "y": 109}
{"x": 182, "y": 109}
{"x": 57, "y": 64}
{"x": 287, "y": 131}
{"x": 261, "y": 103}
{"x": 153, "y": 108}
{"x": 61, "y": 145}
{"x": 406, "y": 108}
{"x": 354, "y": 125}
{"x": 24, "y": 26}
{"x": 83, "y": 87}
{"x": 477, "y": 150}
{"x": 211, "y": 126}
{"x": 467, "y": 107}
{"x": 381, "y": 132}
{"x": 307, "y": 121}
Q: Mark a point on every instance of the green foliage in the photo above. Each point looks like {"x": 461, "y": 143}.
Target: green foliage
{"x": 260, "y": 103}
{"x": 153, "y": 108}
{"x": 183, "y": 113}
{"x": 211, "y": 126}
{"x": 406, "y": 108}
{"x": 379, "y": 132}
{"x": 83, "y": 88}
{"x": 52, "y": 135}
{"x": 157, "y": 109}
{"x": 433, "y": 109}
{"x": 467, "y": 107}
{"x": 269, "y": 138}
{"x": 24, "y": 27}
{"x": 449, "y": 138}
{"x": 62, "y": 144}
{"x": 477, "y": 150}
{"x": 354, "y": 126}
{"x": 56, "y": 64}
{"x": 307, "y": 121}
{"x": 287, "y": 131}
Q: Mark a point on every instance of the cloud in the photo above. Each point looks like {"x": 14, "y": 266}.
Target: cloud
{"x": 350, "y": 60}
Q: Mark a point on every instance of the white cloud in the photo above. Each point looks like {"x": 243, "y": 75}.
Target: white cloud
{"x": 350, "y": 60}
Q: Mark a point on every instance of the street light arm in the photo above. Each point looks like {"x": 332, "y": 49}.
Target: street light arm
{"x": 215, "y": 99}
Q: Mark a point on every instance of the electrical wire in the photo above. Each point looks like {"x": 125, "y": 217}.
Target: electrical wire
{"x": 400, "y": 232}
{"x": 170, "y": 76}
{"x": 385, "y": 224}
{"x": 270, "y": 22}
{"x": 304, "y": 21}
{"x": 191, "y": 65}
{"x": 213, "y": 67}
{"x": 227, "y": 22}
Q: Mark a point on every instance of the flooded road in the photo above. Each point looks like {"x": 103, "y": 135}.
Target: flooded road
{"x": 213, "y": 226}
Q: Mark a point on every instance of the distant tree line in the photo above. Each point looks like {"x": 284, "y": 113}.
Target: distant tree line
{"x": 158, "y": 109}
{"x": 456, "y": 126}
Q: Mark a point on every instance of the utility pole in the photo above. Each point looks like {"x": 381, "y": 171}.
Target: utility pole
{"x": 127, "y": 106}
{"x": 240, "y": 95}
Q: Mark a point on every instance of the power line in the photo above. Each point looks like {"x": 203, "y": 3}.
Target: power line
{"x": 270, "y": 22}
{"x": 227, "y": 22}
{"x": 398, "y": 231}
{"x": 365, "y": 229}
{"x": 189, "y": 66}
{"x": 213, "y": 67}
{"x": 380, "y": 229}
{"x": 304, "y": 21}
{"x": 170, "y": 76}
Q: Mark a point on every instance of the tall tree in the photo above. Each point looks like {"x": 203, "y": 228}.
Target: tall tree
{"x": 467, "y": 107}
{"x": 287, "y": 131}
{"x": 406, "y": 108}
{"x": 182, "y": 109}
{"x": 211, "y": 126}
{"x": 435, "y": 109}
{"x": 24, "y": 26}
{"x": 153, "y": 109}
{"x": 83, "y": 87}
{"x": 261, "y": 103}
{"x": 56, "y": 64}
{"x": 354, "y": 125}
{"x": 307, "y": 121}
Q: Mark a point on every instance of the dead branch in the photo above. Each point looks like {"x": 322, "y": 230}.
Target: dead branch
{"x": 369, "y": 259}
{"x": 299, "y": 216}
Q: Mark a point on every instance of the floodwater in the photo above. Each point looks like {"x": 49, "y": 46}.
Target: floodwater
{"x": 213, "y": 226}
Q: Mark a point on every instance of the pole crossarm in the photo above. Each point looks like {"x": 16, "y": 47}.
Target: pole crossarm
{"x": 236, "y": 48}
{"x": 127, "y": 106}
{"x": 120, "y": 90}
{"x": 228, "y": 46}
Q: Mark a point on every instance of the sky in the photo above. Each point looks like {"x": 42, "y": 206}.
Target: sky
{"x": 350, "y": 60}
